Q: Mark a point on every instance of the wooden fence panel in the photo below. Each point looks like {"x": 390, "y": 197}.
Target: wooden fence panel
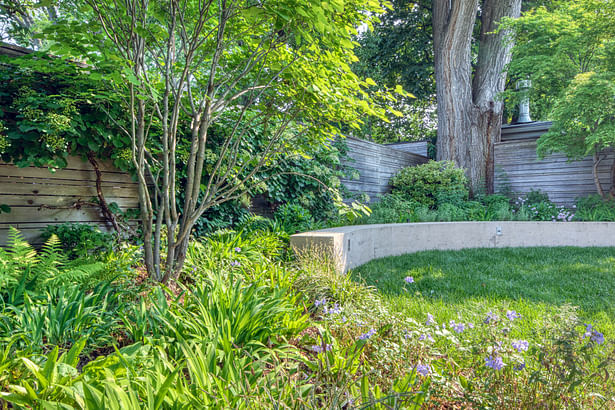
{"x": 417, "y": 147}
{"x": 38, "y": 197}
{"x": 375, "y": 165}
{"x": 519, "y": 168}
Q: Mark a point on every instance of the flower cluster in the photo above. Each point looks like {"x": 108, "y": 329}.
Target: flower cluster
{"x": 495, "y": 362}
{"x": 593, "y": 334}
{"x": 520, "y": 345}
{"x": 512, "y": 315}
{"x": 409, "y": 279}
{"x": 430, "y": 321}
{"x": 335, "y": 310}
{"x": 563, "y": 215}
{"x": 367, "y": 335}
{"x": 459, "y": 327}
{"x": 491, "y": 318}
{"x": 423, "y": 369}
{"x": 321, "y": 348}
{"x": 519, "y": 367}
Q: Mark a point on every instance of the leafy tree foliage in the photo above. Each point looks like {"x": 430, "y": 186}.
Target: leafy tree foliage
{"x": 566, "y": 49}
{"x": 399, "y": 51}
{"x": 47, "y": 111}
{"x": 22, "y": 21}
{"x": 199, "y": 79}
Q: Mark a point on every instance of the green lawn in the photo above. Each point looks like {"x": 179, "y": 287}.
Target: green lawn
{"x": 467, "y": 284}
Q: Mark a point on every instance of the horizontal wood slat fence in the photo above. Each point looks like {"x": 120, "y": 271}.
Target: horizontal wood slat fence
{"x": 38, "y": 197}
{"x": 518, "y": 167}
{"x": 375, "y": 165}
{"x": 418, "y": 147}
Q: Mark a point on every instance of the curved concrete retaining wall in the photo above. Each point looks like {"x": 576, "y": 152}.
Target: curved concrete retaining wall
{"x": 352, "y": 246}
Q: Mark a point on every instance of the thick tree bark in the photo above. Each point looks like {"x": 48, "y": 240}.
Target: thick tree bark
{"x": 469, "y": 115}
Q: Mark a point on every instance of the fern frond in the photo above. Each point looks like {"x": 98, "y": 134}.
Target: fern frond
{"x": 19, "y": 248}
{"x": 81, "y": 274}
{"x": 52, "y": 258}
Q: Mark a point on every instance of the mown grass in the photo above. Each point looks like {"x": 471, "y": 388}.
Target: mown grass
{"x": 467, "y": 284}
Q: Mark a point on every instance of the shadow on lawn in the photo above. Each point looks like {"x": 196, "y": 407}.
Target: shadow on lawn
{"x": 583, "y": 277}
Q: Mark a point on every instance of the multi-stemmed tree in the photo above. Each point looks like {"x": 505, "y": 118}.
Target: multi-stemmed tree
{"x": 182, "y": 67}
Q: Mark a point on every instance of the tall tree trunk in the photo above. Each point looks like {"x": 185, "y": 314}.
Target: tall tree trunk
{"x": 469, "y": 116}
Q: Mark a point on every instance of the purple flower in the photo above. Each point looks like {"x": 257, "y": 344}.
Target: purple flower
{"x": 457, "y": 327}
{"x": 430, "y": 320}
{"x": 520, "y": 345}
{"x": 491, "y": 317}
{"x": 235, "y": 263}
{"x": 238, "y": 249}
{"x": 426, "y": 336}
{"x": 512, "y": 315}
{"x": 519, "y": 367}
{"x": 423, "y": 369}
{"x": 470, "y": 325}
{"x": 597, "y": 337}
{"x": 320, "y": 302}
{"x": 367, "y": 335}
{"x": 593, "y": 334}
{"x": 336, "y": 309}
{"x": 320, "y": 349}
{"x": 495, "y": 363}
{"x": 409, "y": 279}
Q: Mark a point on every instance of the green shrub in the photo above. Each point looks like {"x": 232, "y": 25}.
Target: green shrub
{"x": 595, "y": 208}
{"x": 79, "y": 240}
{"x": 393, "y": 208}
{"x": 293, "y": 218}
{"x": 450, "y": 212}
{"x": 432, "y": 183}
{"x": 476, "y": 211}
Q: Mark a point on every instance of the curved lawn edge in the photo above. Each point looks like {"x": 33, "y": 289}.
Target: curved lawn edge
{"x": 352, "y": 246}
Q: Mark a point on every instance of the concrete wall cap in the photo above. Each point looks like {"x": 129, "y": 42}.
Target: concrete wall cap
{"x": 354, "y": 245}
